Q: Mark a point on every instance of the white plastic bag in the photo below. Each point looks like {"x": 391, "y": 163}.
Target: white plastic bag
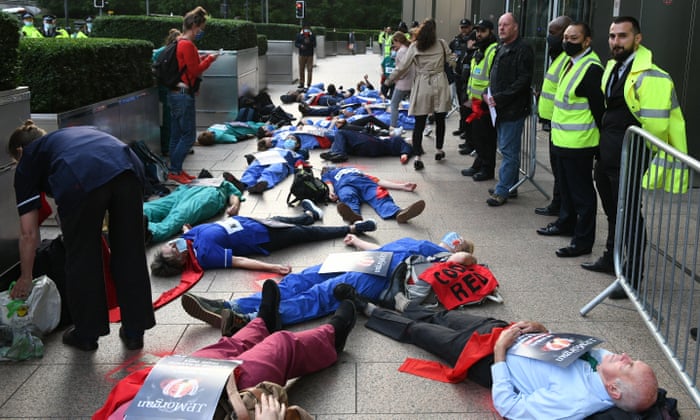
{"x": 40, "y": 312}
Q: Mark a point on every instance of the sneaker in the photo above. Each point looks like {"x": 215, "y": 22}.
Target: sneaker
{"x": 418, "y": 165}
{"x": 269, "y": 309}
{"x": 343, "y": 322}
{"x": 231, "y": 322}
{"x": 428, "y": 131}
{"x": 397, "y": 132}
{"x": 368, "y": 225}
{"x": 347, "y": 213}
{"x": 179, "y": 178}
{"x": 188, "y": 175}
{"x": 309, "y": 206}
{"x": 258, "y": 188}
{"x": 207, "y": 310}
{"x": 228, "y": 176}
{"x": 410, "y": 212}
{"x": 344, "y": 291}
{"x": 71, "y": 338}
{"x": 496, "y": 200}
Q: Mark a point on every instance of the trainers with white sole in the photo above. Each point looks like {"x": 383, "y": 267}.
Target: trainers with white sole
{"x": 309, "y": 206}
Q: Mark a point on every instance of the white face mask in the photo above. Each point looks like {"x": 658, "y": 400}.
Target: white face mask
{"x": 48, "y": 27}
{"x": 28, "y": 23}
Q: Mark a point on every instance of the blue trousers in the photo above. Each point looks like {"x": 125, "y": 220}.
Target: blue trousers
{"x": 509, "y": 136}
{"x": 183, "y": 128}
{"x": 362, "y": 189}
{"x": 272, "y": 174}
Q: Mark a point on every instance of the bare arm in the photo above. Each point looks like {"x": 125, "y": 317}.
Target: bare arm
{"x": 234, "y": 205}
{"x": 403, "y": 186}
{"x": 256, "y": 265}
{"x": 28, "y": 242}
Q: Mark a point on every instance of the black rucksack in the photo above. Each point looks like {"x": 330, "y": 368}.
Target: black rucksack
{"x": 166, "y": 68}
{"x": 307, "y": 186}
{"x": 154, "y": 166}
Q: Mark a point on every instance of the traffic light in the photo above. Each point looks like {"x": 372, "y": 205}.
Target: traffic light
{"x": 300, "y": 9}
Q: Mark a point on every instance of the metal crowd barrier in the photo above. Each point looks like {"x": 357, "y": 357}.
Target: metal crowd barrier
{"x": 528, "y": 151}
{"x": 656, "y": 249}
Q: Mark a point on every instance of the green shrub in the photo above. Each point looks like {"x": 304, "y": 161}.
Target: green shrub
{"x": 219, "y": 33}
{"x": 65, "y": 74}
{"x": 262, "y": 45}
{"x": 9, "y": 39}
{"x": 281, "y": 31}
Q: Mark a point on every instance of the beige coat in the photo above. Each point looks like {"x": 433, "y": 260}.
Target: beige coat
{"x": 430, "y": 91}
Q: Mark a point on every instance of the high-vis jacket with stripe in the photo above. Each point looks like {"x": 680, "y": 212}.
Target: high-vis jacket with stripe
{"x": 479, "y": 74}
{"x": 545, "y": 104}
{"x": 651, "y": 97}
{"x": 573, "y": 125}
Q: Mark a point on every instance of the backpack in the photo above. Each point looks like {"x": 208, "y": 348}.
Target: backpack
{"x": 166, "y": 68}
{"x": 279, "y": 117}
{"x": 306, "y": 186}
{"x": 154, "y": 167}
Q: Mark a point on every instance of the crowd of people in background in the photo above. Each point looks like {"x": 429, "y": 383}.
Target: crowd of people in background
{"x": 50, "y": 29}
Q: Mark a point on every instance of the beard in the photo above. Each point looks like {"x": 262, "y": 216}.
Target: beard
{"x": 620, "y": 54}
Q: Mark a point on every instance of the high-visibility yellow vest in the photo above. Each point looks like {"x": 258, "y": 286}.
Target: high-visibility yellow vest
{"x": 62, "y": 33}
{"x": 650, "y": 96}
{"x": 479, "y": 74}
{"x": 31, "y": 32}
{"x": 545, "y": 104}
{"x": 573, "y": 125}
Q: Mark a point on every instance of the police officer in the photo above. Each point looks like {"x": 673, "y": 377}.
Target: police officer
{"x": 50, "y": 30}
{"x": 28, "y": 28}
{"x": 482, "y": 130}
{"x": 462, "y": 47}
{"x": 385, "y": 40}
{"x": 637, "y": 92}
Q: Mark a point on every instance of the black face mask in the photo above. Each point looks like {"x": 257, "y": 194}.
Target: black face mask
{"x": 572, "y": 49}
{"x": 555, "y": 47}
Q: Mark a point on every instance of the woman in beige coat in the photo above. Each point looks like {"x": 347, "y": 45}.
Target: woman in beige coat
{"x": 430, "y": 92}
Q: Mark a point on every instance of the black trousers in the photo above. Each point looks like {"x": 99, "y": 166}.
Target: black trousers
{"x": 607, "y": 181}
{"x": 442, "y": 333}
{"x": 578, "y": 198}
{"x": 122, "y": 198}
{"x": 484, "y": 139}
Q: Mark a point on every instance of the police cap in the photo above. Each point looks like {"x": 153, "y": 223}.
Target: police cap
{"x": 49, "y": 18}
{"x": 465, "y": 22}
{"x": 485, "y": 24}
{"x": 27, "y": 15}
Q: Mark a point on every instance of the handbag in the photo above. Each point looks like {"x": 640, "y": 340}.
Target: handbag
{"x": 449, "y": 71}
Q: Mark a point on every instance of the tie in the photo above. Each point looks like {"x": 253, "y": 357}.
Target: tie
{"x": 590, "y": 359}
{"x": 615, "y": 75}
{"x": 567, "y": 67}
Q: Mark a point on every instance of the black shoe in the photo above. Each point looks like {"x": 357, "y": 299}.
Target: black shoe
{"x": 618, "y": 294}
{"x": 469, "y": 171}
{"x": 228, "y": 176}
{"x": 131, "y": 341}
{"x": 147, "y": 234}
{"x": 344, "y": 291}
{"x": 249, "y": 158}
{"x": 694, "y": 333}
{"x": 457, "y": 132}
{"x": 231, "y": 322}
{"x": 512, "y": 194}
{"x": 71, "y": 338}
{"x": 440, "y": 155}
{"x": 482, "y": 176}
{"x": 496, "y": 200}
{"x": 418, "y": 165}
{"x": 601, "y": 265}
{"x": 343, "y": 321}
{"x": 204, "y": 174}
{"x": 547, "y": 211}
{"x": 258, "y": 188}
{"x": 553, "y": 229}
{"x": 572, "y": 251}
{"x": 466, "y": 151}
{"x": 338, "y": 158}
{"x": 269, "y": 309}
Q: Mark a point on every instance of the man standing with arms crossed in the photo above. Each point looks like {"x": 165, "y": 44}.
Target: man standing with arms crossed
{"x": 637, "y": 92}
{"x": 510, "y": 81}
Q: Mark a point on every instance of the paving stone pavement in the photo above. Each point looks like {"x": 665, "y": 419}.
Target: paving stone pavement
{"x": 365, "y": 383}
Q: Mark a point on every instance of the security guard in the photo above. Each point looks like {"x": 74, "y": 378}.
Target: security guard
{"x": 545, "y": 104}
{"x": 637, "y": 92}
{"x": 578, "y": 112}
{"x": 28, "y": 28}
{"x": 385, "y": 40}
{"x": 482, "y": 130}
{"x": 50, "y": 30}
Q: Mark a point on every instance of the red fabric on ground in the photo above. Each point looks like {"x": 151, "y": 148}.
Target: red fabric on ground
{"x": 190, "y": 276}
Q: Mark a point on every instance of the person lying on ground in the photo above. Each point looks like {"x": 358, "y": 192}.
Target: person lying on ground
{"x": 476, "y": 348}
{"x": 230, "y": 132}
{"x": 227, "y": 243}
{"x": 259, "y": 177}
{"x": 267, "y": 353}
{"x": 359, "y": 143}
{"x": 351, "y": 187}
{"x": 188, "y": 204}
{"x": 309, "y": 294}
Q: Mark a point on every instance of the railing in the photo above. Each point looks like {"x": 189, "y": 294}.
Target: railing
{"x": 656, "y": 248}
{"x": 528, "y": 151}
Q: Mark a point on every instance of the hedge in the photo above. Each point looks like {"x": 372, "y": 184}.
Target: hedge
{"x": 65, "y": 74}
{"x": 9, "y": 39}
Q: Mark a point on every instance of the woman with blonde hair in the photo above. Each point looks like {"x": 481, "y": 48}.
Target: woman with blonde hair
{"x": 430, "y": 91}
{"x": 402, "y": 90}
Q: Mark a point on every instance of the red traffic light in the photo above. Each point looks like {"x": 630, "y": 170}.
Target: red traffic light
{"x": 300, "y": 9}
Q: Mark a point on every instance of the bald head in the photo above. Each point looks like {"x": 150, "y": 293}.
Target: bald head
{"x": 558, "y": 25}
{"x": 631, "y": 384}
{"x": 507, "y": 28}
